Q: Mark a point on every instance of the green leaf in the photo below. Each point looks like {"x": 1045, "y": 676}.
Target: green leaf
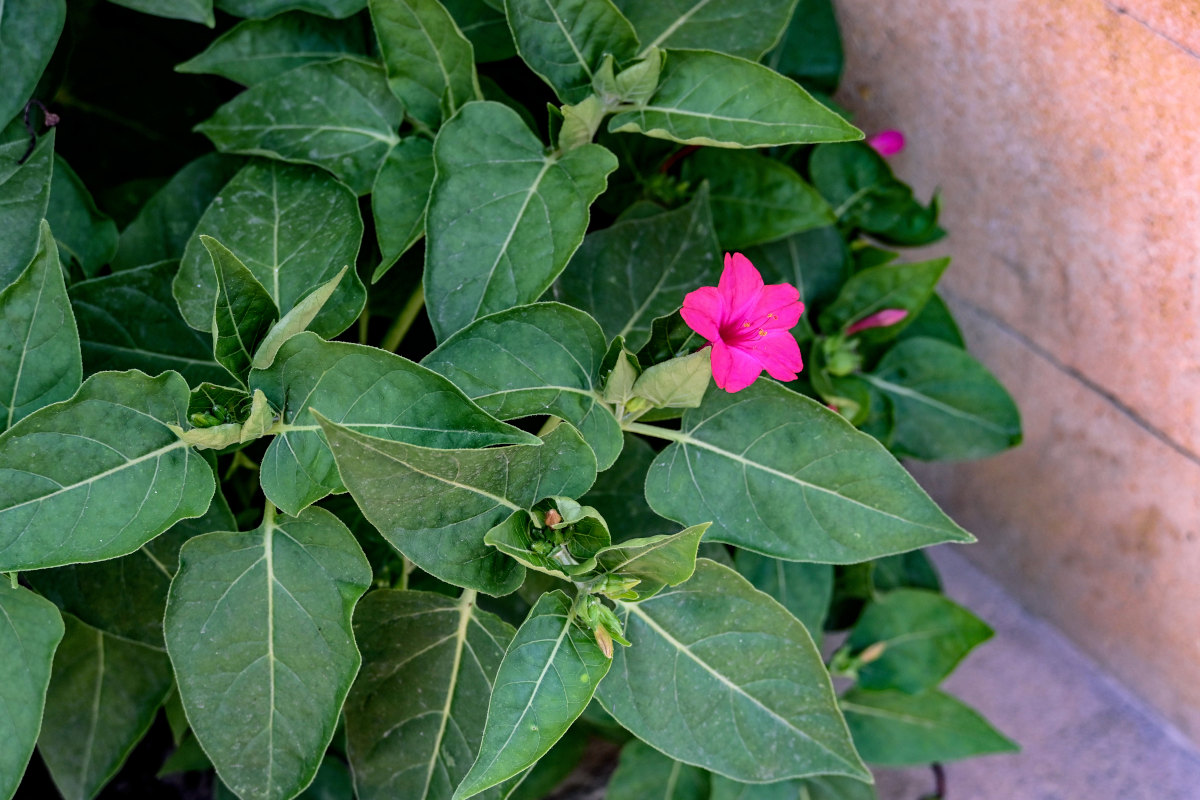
{"x": 29, "y": 30}
{"x": 513, "y": 537}
{"x": 415, "y": 716}
{"x": 821, "y": 787}
{"x": 191, "y": 10}
{"x": 335, "y": 114}
{"x": 815, "y": 489}
{"x": 643, "y": 773}
{"x": 913, "y": 570}
{"x": 947, "y": 405}
{"x": 811, "y": 47}
{"x": 721, "y": 100}
{"x": 656, "y": 561}
{"x": 485, "y": 26}
{"x": 39, "y": 360}
{"x": 24, "y": 192}
{"x": 504, "y": 217}
{"x": 551, "y": 769}
{"x": 756, "y": 199}
{"x": 162, "y": 228}
{"x": 295, "y": 321}
{"x": 99, "y": 475}
{"x": 126, "y": 596}
{"x": 816, "y": 262}
{"x": 294, "y": 228}
{"x": 904, "y": 286}
{"x": 104, "y": 694}
{"x": 258, "y": 629}
{"x": 30, "y": 630}
{"x": 803, "y": 589}
{"x": 896, "y": 729}
{"x": 546, "y": 680}
{"x": 399, "y": 198}
{"x": 619, "y": 494}
{"x": 366, "y": 390}
{"x": 262, "y": 9}
{"x": 430, "y": 64}
{"x": 728, "y": 26}
{"x": 255, "y": 50}
{"x": 629, "y": 274}
{"x": 922, "y": 634}
{"x": 723, "y": 677}
{"x": 130, "y": 320}
{"x": 435, "y": 506}
{"x": 535, "y": 359}
{"x": 243, "y": 314}
{"x": 564, "y": 41}
{"x": 84, "y": 232}
{"x": 934, "y": 322}
{"x": 676, "y": 383}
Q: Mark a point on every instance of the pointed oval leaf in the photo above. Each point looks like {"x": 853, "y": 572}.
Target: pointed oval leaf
{"x": 780, "y": 474}
{"x": 723, "y": 677}
{"x": 84, "y": 232}
{"x": 901, "y": 286}
{"x": 30, "y": 630}
{"x": 367, "y": 390}
{"x": 25, "y": 189}
{"x": 619, "y": 494}
{"x": 258, "y": 630}
{"x": 656, "y": 561}
{"x": 822, "y": 787}
{"x": 255, "y": 50}
{"x": 546, "y": 680}
{"x": 564, "y": 41}
{"x": 643, "y": 773}
{"x": 415, "y": 716}
{"x": 99, "y": 475}
{"x": 243, "y": 314}
{"x": 192, "y": 10}
{"x": 504, "y": 217}
{"x": 810, "y": 49}
{"x": 535, "y": 359}
{"x": 399, "y": 197}
{"x": 817, "y": 262}
{"x": 727, "y": 26}
{"x": 294, "y": 228}
{"x": 436, "y": 506}
{"x": 29, "y": 30}
{"x": 40, "y": 364}
{"x": 104, "y": 694}
{"x": 484, "y": 23}
{"x": 715, "y": 99}
{"x": 803, "y": 589}
{"x": 295, "y": 321}
{"x": 262, "y": 9}
{"x": 338, "y": 115}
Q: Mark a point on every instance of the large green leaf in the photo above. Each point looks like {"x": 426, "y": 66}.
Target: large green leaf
{"x": 728, "y": 26}
{"x": 780, "y": 474}
{"x": 399, "y": 198}
{"x": 84, "y": 233}
{"x": 24, "y": 198}
{"x": 99, "y": 475}
{"x": 162, "y": 228}
{"x": 619, "y": 494}
{"x": 367, "y": 390}
{"x": 436, "y": 506}
{"x": 723, "y": 677}
{"x": 716, "y": 99}
{"x": 817, "y": 262}
{"x": 255, "y": 50}
{"x": 632, "y": 272}
{"x": 261, "y": 9}
{"x": 337, "y": 114}
{"x": 130, "y": 320}
{"x": 126, "y": 596}
{"x": 104, "y": 693}
{"x": 822, "y": 787}
{"x": 564, "y": 41}
{"x": 39, "y": 358}
{"x": 897, "y": 729}
{"x": 811, "y": 47}
{"x": 535, "y": 359}
{"x": 646, "y": 774}
{"x": 504, "y": 217}
{"x": 258, "y": 629}
{"x": 891, "y": 286}
{"x": 486, "y": 26}
{"x": 294, "y": 227}
{"x": 803, "y": 589}
{"x": 29, "y": 30}
{"x": 30, "y": 630}
{"x": 922, "y": 636}
{"x": 546, "y": 680}
{"x": 243, "y": 314}
{"x": 430, "y": 64}
{"x": 756, "y": 199}
{"x": 191, "y": 10}
{"x": 946, "y": 404}
{"x": 415, "y": 716}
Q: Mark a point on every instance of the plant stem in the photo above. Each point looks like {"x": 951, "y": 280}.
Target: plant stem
{"x": 550, "y": 424}
{"x": 408, "y": 315}
{"x": 406, "y": 570}
{"x": 12, "y": 576}
{"x": 364, "y": 323}
{"x": 656, "y": 432}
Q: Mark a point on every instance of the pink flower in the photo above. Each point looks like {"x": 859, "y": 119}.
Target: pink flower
{"x": 880, "y": 319}
{"x": 887, "y": 143}
{"x": 747, "y": 324}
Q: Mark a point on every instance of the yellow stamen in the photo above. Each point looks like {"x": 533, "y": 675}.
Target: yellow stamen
{"x": 761, "y": 332}
{"x": 745, "y": 324}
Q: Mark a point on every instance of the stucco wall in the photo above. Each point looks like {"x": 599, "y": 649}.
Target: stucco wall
{"x": 1065, "y": 135}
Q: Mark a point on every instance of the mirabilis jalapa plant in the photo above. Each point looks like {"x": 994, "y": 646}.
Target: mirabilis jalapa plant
{"x": 342, "y": 570}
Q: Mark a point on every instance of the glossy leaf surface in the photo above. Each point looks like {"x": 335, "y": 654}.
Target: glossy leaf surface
{"x": 29, "y": 30}
{"x": 25, "y": 191}
{"x": 803, "y": 589}
{"x": 399, "y": 197}
{"x": 244, "y": 312}
{"x": 727, "y": 26}
{"x": 646, "y": 774}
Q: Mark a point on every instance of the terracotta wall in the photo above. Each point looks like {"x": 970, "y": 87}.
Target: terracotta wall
{"x": 1065, "y": 135}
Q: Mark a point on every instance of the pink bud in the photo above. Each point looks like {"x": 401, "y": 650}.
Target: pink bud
{"x": 880, "y": 319}
{"x": 887, "y": 143}
{"x": 51, "y": 119}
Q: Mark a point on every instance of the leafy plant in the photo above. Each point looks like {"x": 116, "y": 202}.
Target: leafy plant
{"x": 376, "y": 438}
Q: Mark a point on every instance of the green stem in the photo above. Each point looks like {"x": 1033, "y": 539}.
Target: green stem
{"x": 12, "y": 576}
{"x": 364, "y": 323}
{"x": 405, "y": 571}
{"x": 656, "y": 432}
{"x": 408, "y": 315}
{"x": 550, "y": 424}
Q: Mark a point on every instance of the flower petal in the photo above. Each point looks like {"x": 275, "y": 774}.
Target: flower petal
{"x": 703, "y": 311}
{"x": 880, "y": 319}
{"x": 779, "y": 307}
{"x": 740, "y": 285}
{"x": 780, "y": 355}
{"x": 887, "y": 143}
{"x": 734, "y": 368}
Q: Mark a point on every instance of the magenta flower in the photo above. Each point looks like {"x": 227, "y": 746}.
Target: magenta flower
{"x": 887, "y": 143}
{"x": 880, "y": 319}
{"x": 747, "y": 324}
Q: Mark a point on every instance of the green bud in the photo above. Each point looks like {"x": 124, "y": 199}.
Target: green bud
{"x": 621, "y": 378}
{"x": 841, "y": 355}
{"x": 616, "y": 587}
{"x": 639, "y": 82}
{"x": 678, "y": 382}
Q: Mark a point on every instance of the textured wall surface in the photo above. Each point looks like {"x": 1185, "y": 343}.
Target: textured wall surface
{"x": 1065, "y": 136}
